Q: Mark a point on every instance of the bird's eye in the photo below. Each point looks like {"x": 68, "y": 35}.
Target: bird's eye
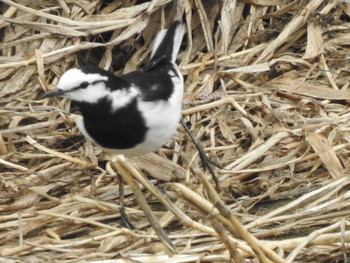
{"x": 84, "y": 85}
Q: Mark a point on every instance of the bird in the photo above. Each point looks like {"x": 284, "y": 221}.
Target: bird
{"x": 135, "y": 113}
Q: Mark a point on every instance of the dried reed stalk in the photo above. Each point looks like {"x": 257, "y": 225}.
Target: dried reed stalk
{"x": 267, "y": 93}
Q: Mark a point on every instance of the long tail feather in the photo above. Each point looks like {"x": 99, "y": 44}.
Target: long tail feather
{"x": 168, "y": 41}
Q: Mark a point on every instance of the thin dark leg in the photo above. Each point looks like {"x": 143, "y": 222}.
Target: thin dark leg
{"x": 202, "y": 155}
{"x": 123, "y": 216}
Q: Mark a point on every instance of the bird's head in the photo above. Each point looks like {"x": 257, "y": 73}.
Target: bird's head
{"x": 85, "y": 84}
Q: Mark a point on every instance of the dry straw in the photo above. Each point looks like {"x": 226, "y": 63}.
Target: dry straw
{"x": 266, "y": 94}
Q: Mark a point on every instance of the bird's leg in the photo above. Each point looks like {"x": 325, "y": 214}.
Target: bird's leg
{"x": 125, "y": 222}
{"x": 128, "y": 173}
{"x": 206, "y": 161}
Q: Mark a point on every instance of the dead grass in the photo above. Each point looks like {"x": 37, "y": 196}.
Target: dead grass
{"x": 266, "y": 94}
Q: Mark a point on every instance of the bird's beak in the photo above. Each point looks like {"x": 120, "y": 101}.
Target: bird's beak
{"x": 53, "y": 93}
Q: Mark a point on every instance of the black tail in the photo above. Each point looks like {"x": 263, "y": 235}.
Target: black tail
{"x": 167, "y": 42}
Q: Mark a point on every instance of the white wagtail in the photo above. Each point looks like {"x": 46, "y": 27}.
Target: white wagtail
{"x": 135, "y": 113}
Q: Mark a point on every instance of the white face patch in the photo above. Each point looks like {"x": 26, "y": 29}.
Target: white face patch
{"x": 121, "y": 98}
{"x": 72, "y": 79}
{"x": 92, "y": 94}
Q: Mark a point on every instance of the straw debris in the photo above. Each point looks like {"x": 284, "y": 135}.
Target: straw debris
{"x": 267, "y": 93}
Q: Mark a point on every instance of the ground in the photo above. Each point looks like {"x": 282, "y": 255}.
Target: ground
{"x": 266, "y": 94}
